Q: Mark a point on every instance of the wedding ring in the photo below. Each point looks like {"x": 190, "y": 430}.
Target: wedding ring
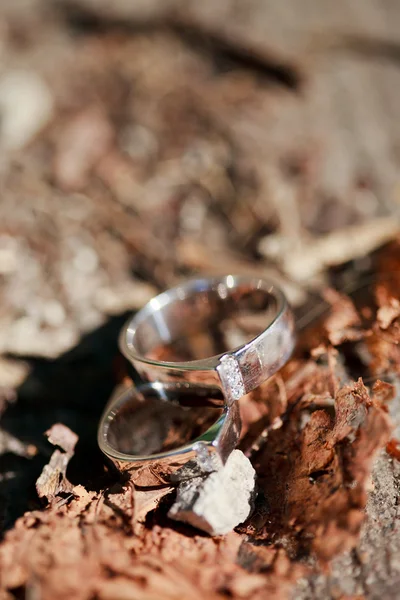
{"x": 162, "y": 433}
{"x": 232, "y": 332}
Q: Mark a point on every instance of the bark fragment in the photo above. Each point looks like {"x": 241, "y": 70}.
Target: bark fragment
{"x": 53, "y": 479}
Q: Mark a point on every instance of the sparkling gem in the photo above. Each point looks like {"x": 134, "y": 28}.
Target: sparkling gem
{"x": 231, "y": 377}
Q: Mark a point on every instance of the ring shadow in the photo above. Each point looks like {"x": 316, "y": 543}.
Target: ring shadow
{"x": 73, "y": 390}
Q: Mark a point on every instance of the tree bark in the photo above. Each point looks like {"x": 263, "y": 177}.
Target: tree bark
{"x": 142, "y": 142}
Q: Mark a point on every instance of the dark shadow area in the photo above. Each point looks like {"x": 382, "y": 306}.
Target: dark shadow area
{"x": 73, "y": 390}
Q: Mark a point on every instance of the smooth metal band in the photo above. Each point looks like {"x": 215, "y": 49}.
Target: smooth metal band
{"x": 201, "y": 304}
{"x": 204, "y": 453}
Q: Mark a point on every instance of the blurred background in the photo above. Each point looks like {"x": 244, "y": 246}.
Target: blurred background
{"x": 141, "y": 142}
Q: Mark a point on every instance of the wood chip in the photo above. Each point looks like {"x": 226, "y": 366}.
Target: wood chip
{"x": 53, "y": 480}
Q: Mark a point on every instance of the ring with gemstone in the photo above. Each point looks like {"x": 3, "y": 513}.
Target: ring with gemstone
{"x": 230, "y": 332}
{"x": 163, "y": 433}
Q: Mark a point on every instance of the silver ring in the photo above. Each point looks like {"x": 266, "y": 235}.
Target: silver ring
{"x": 148, "y": 431}
{"x": 232, "y": 332}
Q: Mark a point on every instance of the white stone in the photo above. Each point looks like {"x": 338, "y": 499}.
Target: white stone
{"x": 220, "y": 501}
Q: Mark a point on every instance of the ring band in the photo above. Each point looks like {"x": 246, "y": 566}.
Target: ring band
{"x": 232, "y": 332}
{"x": 136, "y": 431}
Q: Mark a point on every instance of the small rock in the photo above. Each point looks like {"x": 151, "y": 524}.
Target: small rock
{"x": 219, "y": 501}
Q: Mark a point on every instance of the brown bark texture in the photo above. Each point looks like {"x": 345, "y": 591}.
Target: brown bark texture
{"x": 142, "y": 142}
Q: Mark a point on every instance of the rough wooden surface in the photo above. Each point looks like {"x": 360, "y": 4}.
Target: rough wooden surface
{"x": 141, "y": 142}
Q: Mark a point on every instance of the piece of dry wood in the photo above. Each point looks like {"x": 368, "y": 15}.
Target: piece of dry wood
{"x": 53, "y": 479}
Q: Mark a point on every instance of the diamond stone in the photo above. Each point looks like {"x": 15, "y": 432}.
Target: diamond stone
{"x": 231, "y": 377}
